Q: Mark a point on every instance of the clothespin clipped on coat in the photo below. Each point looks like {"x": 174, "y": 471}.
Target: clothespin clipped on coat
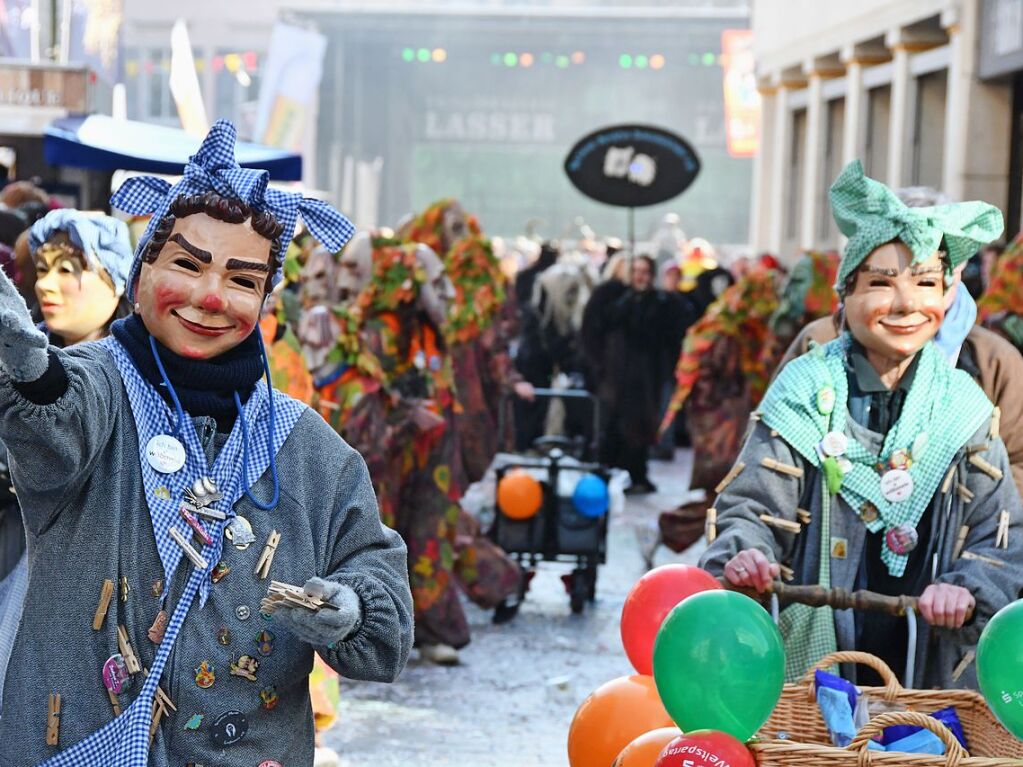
{"x": 105, "y": 595}
{"x": 53, "y": 720}
{"x": 267, "y": 557}
{"x": 1002, "y": 537}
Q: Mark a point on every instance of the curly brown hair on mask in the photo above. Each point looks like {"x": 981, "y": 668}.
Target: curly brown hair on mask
{"x": 223, "y": 209}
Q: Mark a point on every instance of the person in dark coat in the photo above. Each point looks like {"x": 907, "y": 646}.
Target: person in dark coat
{"x": 631, "y": 338}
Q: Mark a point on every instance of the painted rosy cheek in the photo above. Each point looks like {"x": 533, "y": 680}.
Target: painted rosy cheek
{"x": 167, "y": 297}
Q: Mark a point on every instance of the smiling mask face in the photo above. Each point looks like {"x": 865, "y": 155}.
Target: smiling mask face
{"x": 895, "y": 306}
{"x": 76, "y": 300}
{"x": 202, "y": 295}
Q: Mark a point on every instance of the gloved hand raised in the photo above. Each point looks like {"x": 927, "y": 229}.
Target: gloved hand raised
{"x": 23, "y": 353}
{"x": 324, "y": 627}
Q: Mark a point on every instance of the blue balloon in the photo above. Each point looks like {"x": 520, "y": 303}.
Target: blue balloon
{"x": 591, "y": 498}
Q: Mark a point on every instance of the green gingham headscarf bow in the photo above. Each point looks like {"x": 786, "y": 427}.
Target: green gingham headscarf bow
{"x": 870, "y": 215}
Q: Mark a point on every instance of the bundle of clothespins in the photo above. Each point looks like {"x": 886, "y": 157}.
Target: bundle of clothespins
{"x": 284, "y": 594}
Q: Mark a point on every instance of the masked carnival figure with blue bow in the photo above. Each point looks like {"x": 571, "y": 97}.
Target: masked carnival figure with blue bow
{"x": 874, "y": 464}
{"x": 165, "y": 486}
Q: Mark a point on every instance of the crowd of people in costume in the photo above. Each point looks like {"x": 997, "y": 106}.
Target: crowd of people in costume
{"x": 813, "y": 397}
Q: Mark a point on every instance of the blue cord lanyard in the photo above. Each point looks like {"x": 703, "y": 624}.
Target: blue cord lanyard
{"x": 241, "y": 416}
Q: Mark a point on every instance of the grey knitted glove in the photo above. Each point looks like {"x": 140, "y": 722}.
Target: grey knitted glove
{"x": 325, "y": 627}
{"x": 23, "y": 354}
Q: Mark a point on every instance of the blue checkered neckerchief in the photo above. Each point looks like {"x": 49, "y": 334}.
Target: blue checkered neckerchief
{"x": 214, "y": 169}
{"x": 232, "y": 474}
{"x": 124, "y": 742}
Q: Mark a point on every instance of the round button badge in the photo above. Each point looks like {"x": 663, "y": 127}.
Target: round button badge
{"x": 902, "y": 539}
{"x": 228, "y": 728}
{"x": 835, "y": 444}
{"x": 165, "y": 454}
{"x": 826, "y": 400}
{"x": 896, "y": 485}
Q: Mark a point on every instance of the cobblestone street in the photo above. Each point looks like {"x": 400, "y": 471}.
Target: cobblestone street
{"x": 510, "y": 702}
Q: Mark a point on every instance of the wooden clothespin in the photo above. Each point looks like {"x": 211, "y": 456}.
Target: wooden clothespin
{"x": 990, "y": 469}
{"x": 996, "y": 423}
{"x": 774, "y": 433}
{"x": 960, "y": 541}
{"x": 105, "y": 595}
{"x": 114, "y": 702}
{"x": 194, "y": 556}
{"x": 1002, "y": 537}
{"x": 158, "y": 628}
{"x": 130, "y": 659}
{"x": 729, "y": 477}
{"x": 782, "y": 468}
{"x": 981, "y": 558}
{"x": 804, "y": 516}
{"x": 964, "y": 492}
{"x": 53, "y": 720}
{"x": 711, "y": 526}
{"x": 782, "y": 524}
{"x": 162, "y": 706}
{"x": 787, "y": 573}
{"x": 267, "y": 557}
{"x": 947, "y": 484}
{"x": 125, "y": 588}
{"x": 963, "y": 664}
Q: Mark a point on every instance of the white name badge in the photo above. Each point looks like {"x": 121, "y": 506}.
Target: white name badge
{"x": 165, "y": 454}
{"x": 896, "y": 486}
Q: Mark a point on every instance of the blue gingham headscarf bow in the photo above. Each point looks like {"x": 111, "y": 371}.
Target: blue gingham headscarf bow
{"x": 214, "y": 169}
{"x": 102, "y": 239}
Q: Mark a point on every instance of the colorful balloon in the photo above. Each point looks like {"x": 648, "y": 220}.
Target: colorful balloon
{"x": 719, "y": 664}
{"x": 614, "y": 715}
{"x": 519, "y": 495}
{"x": 705, "y": 748}
{"x": 650, "y": 601}
{"x": 645, "y": 749}
{"x": 1000, "y": 666}
{"x": 591, "y": 497}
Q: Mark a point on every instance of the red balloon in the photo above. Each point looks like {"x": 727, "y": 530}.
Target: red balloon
{"x": 705, "y": 748}
{"x": 650, "y": 601}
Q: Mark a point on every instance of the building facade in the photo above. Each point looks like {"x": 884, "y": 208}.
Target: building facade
{"x": 923, "y": 92}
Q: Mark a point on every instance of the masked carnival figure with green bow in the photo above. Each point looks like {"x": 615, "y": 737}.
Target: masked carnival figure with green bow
{"x": 873, "y": 464}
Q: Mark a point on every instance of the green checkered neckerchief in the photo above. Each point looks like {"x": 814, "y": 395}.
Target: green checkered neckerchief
{"x": 943, "y": 409}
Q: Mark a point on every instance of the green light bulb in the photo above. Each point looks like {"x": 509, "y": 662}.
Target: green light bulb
{"x": 423, "y": 54}
{"x": 408, "y": 54}
{"x": 510, "y": 59}
{"x": 625, "y": 61}
{"x": 561, "y": 62}
{"x": 641, "y": 62}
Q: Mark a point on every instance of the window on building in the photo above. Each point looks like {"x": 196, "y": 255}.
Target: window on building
{"x": 236, "y": 87}
{"x": 147, "y": 83}
{"x": 797, "y": 151}
{"x": 879, "y": 107}
{"x": 831, "y": 167}
{"x": 929, "y": 129}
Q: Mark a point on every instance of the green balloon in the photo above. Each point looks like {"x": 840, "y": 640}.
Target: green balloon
{"x": 1000, "y": 666}
{"x": 719, "y": 664}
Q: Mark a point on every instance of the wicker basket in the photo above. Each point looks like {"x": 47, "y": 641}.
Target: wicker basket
{"x": 808, "y": 742}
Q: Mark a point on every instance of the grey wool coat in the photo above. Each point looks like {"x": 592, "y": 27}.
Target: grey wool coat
{"x": 994, "y": 581}
{"x": 75, "y": 465}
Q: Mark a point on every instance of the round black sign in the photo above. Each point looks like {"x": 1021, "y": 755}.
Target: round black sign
{"x": 632, "y": 166}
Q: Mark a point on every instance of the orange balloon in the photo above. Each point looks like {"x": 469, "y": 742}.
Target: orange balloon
{"x": 645, "y": 750}
{"x": 519, "y": 495}
{"x": 614, "y": 715}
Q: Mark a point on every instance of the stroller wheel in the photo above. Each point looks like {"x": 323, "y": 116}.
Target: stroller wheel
{"x": 579, "y": 591}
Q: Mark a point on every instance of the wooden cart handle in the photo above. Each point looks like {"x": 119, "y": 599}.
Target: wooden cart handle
{"x": 839, "y": 599}
{"x": 892, "y": 687}
{"x": 954, "y": 751}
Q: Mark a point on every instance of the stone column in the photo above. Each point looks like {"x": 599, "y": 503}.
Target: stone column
{"x": 901, "y": 115}
{"x": 764, "y": 207}
{"x": 812, "y": 156}
{"x": 959, "y": 73}
{"x": 781, "y": 167}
